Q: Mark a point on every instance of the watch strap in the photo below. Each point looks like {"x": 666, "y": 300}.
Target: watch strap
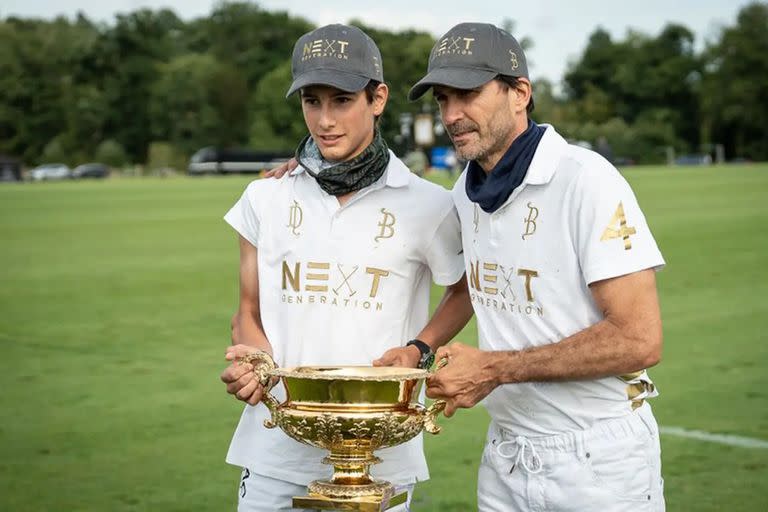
{"x": 427, "y": 356}
{"x": 423, "y": 347}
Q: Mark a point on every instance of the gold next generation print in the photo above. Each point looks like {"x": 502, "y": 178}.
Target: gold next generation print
{"x": 316, "y": 282}
{"x": 493, "y": 285}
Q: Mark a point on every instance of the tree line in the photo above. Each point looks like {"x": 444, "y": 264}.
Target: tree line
{"x": 74, "y": 90}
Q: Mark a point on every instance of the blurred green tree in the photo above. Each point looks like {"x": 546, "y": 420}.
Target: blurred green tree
{"x": 628, "y": 78}
{"x": 277, "y": 123}
{"x": 198, "y": 101}
{"x": 404, "y": 55}
{"x": 126, "y": 60}
{"x": 111, "y": 153}
{"x": 735, "y": 86}
{"x": 39, "y": 90}
{"x": 253, "y": 40}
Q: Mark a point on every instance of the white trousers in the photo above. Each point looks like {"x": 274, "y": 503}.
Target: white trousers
{"x": 259, "y": 493}
{"x": 615, "y": 466}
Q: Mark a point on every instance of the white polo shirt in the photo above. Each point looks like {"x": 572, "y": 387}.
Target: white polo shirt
{"x": 573, "y": 221}
{"x": 340, "y": 286}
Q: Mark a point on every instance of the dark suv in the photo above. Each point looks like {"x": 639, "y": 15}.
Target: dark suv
{"x": 91, "y": 171}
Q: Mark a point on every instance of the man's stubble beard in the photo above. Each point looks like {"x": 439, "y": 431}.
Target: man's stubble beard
{"x": 493, "y": 143}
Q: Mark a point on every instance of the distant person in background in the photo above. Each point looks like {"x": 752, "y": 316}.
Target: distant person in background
{"x": 336, "y": 264}
{"x": 604, "y": 148}
{"x": 417, "y": 161}
{"x": 561, "y": 264}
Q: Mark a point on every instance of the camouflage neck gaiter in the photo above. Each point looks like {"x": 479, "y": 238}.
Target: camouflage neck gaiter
{"x": 339, "y": 178}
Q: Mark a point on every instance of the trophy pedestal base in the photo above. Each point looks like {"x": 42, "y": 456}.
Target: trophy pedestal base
{"x": 367, "y": 504}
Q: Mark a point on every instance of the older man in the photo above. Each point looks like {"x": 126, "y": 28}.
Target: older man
{"x": 561, "y": 267}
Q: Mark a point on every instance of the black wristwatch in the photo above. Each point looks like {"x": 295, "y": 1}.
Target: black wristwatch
{"x": 427, "y": 356}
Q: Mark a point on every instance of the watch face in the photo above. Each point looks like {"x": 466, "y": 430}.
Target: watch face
{"x": 427, "y": 361}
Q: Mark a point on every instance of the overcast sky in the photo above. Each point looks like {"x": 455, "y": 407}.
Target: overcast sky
{"x": 559, "y": 29}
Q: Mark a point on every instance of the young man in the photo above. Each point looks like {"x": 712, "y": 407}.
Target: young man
{"x": 336, "y": 263}
{"x": 561, "y": 266}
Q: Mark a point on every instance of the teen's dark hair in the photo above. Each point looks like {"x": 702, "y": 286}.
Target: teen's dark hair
{"x": 511, "y": 82}
{"x": 370, "y": 90}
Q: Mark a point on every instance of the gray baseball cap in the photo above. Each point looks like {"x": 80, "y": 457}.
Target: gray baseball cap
{"x": 337, "y": 55}
{"x": 470, "y": 55}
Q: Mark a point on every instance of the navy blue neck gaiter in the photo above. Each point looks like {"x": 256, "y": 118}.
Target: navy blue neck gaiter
{"x": 492, "y": 190}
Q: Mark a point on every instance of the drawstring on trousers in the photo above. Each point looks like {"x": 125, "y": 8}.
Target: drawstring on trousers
{"x": 521, "y": 442}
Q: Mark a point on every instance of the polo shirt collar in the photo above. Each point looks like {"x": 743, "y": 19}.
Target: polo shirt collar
{"x": 543, "y": 165}
{"x": 548, "y": 154}
{"x": 398, "y": 175}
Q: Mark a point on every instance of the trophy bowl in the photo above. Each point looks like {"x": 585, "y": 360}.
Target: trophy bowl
{"x": 350, "y": 411}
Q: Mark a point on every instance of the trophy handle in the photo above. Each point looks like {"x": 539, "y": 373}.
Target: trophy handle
{"x": 430, "y": 417}
{"x": 263, "y": 364}
{"x": 438, "y": 406}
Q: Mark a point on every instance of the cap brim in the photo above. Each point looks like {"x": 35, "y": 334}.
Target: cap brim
{"x": 340, "y": 80}
{"x": 458, "y": 78}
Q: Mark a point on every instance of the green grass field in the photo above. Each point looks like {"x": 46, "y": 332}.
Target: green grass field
{"x": 114, "y": 315}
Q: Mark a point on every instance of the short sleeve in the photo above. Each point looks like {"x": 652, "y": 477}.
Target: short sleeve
{"x": 444, "y": 254}
{"x": 243, "y": 216}
{"x": 611, "y": 236}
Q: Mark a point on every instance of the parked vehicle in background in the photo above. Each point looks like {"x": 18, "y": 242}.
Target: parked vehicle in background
{"x": 229, "y": 161}
{"x": 623, "y": 161}
{"x": 92, "y": 170}
{"x": 50, "y": 172}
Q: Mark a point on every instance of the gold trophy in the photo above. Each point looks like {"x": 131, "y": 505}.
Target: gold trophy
{"x": 351, "y": 411}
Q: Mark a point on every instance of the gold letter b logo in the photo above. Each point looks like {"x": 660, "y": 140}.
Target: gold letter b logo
{"x": 387, "y": 226}
{"x": 530, "y": 222}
